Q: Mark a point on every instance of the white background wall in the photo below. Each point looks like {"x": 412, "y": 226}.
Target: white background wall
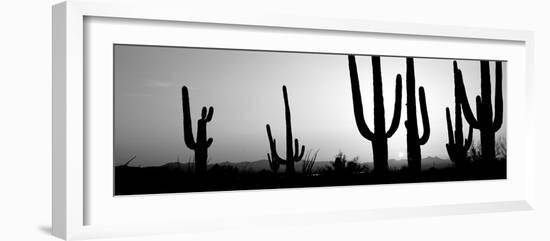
{"x": 25, "y": 113}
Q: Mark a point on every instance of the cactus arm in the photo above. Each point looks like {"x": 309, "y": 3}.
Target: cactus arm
{"x": 273, "y": 145}
{"x": 357, "y": 102}
{"x": 297, "y": 155}
{"x": 187, "y": 126}
{"x": 301, "y": 153}
{"x": 274, "y": 165}
{"x": 468, "y": 141}
{"x": 271, "y": 163}
{"x": 203, "y": 113}
{"x": 498, "y": 97}
{"x": 209, "y": 142}
{"x": 449, "y": 127}
{"x": 397, "y": 108}
{"x": 296, "y": 148}
{"x": 210, "y": 114}
{"x": 425, "y": 118}
{"x": 461, "y": 92}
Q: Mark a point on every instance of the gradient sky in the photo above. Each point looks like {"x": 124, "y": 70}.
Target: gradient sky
{"x": 244, "y": 87}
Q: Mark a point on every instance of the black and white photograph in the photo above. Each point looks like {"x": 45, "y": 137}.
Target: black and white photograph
{"x": 202, "y": 119}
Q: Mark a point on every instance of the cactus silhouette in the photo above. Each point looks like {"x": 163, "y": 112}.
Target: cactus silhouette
{"x": 292, "y": 154}
{"x": 457, "y": 148}
{"x": 414, "y": 156}
{"x": 201, "y": 145}
{"x": 378, "y": 139}
{"x": 274, "y": 165}
{"x": 484, "y": 121}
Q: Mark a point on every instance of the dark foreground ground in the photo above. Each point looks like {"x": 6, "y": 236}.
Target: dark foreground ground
{"x": 156, "y": 180}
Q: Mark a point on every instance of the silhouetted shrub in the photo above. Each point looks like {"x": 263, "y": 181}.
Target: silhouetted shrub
{"x": 223, "y": 170}
{"x": 309, "y": 161}
{"x": 342, "y": 166}
{"x": 500, "y": 148}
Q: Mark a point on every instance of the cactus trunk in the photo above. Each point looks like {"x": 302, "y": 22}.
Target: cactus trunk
{"x": 293, "y": 154}
{"x": 486, "y": 114}
{"x": 201, "y": 145}
{"x": 414, "y": 156}
{"x": 288, "y": 122}
{"x": 379, "y": 147}
{"x": 488, "y": 145}
{"x": 379, "y": 139}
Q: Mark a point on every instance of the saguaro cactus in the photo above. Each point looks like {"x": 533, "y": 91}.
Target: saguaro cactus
{"x": 457, "y": 148}
{"x": 484, "y": 121}
{"x": 379, "y": 138}
{"x": 414, "y": 156}
{"x": 292, "y": 153}
{"x": 201, "y": 145}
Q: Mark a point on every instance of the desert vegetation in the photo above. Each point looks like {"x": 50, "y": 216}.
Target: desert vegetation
{"x": 378, "y": 138}
{"x": 414, "y": 156}
{"x": 484, "y": 122}
{"x": 293, "y": 154}
{"x": 467, "y": 159}
{"x": 201, "y": 144}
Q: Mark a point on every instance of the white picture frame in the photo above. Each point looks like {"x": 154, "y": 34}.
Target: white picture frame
{"x": 75, "y": 201}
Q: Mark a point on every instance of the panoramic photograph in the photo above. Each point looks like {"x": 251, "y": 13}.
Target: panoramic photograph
{"x": 199, "y": 119}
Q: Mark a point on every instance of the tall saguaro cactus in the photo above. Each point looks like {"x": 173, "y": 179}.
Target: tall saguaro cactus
{"x": 457, "y": 148}
{"x": 201, "y": 145}
{"x": 484, "y": 121}
{"x": 414, "y": 156}
{"x": 292, "y": 153}
{"x": 379, "y": 138}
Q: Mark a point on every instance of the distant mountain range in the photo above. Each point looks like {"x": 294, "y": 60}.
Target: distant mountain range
{"x": 259, "y": 165}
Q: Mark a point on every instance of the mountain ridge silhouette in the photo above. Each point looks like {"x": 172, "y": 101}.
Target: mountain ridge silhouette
{"x": 428, "y": 162}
